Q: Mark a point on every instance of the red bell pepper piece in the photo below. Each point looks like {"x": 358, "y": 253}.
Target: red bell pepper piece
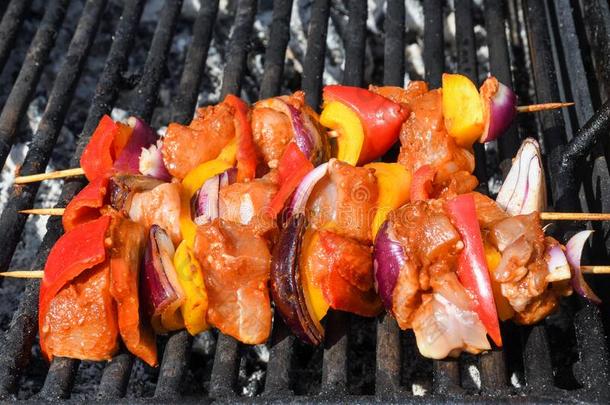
{"x": 85, "y": 206}
{"x": 246, "y": 152}
{"x": 99, "y": 154}
{"x": 421, "y": 184}
{"x": 76, "y": 251}
{"x": 472, "y": 264}
{"x": 380, "y": 117}
{"x": 293, "y": 166}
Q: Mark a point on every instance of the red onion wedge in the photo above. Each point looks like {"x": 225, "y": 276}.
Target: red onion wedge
{"x": 306, "y": 135}
{"x": 142, "y": 137}
{"x": 499, "y": 108}
{"x": 151, "y": 162}
{"x": 286, "y": 284}
{"x": 204, "y": 205}
{"x": 524, "y": 189}
{"x": 298, "y": 201}
{"x": 557, "y": 263}
{"x": 388, "y": 259}
{"x": 574, "y": 249}
{"x": 160, "y": 289}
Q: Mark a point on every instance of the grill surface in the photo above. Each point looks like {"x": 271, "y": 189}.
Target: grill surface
{"x": 546, "y": 47}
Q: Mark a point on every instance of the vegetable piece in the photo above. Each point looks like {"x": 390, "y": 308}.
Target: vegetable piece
{"x": 493, "y": 258}
{"x": 301, "y": 195}
{"x": 161, "y": 291}
{"x": 557, "y": 262}
{"x": 190, "y": 276}
{"x": 286, "y": 284}
{"x": 142, "y": 137}
{"x": 499, "y": 108}
{"x": 462, "y": 109}
{"x": 574, "y": 249}
{"x": 524, "y": 189}
{"x": 421, "y": 184}
{"x": 99, "y": 154}
{"x": 77, "y": 250}
{"x": 122, "y": 187}
{"x": 246, "y": 152}
{"x": 314, "y": 297}
{"x": 293, "y": 167}
{"x": 85, "y": 206}
{"x": 394, "y": 183}
{"x": 472, "y": 267}
{"x": 388, "y": 259}
{"x": 128, "y": 244}
{"x": 367, "y": 124}
{"x": 193, "y": 182}
{"x": 205, "y": 203}
{"x": 151, "y": 162}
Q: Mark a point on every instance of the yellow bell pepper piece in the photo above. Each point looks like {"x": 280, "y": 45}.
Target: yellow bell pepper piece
{"x": 190, "y": 276}
{"x": 393, "y": 182}
{"x": 314, "y": 298}
{"x": 350, "y": 133}
{"x": 462, "y": 109}
{"x": 193, "y": 182}
{"x": 493, "y": 257}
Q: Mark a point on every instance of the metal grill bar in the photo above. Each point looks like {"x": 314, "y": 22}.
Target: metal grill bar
{"x": 277, "y": 381}
{"x": 59, "y": 379}
{"x": 186, "y": 99}
{"x": 224, "y": 370}
{"x": 24, "y": 86}
{"x": 388, "y": 359}
{"x": 173, "y": 366}
{"x": 11, "y": 21}
{"x": 313, "y": 67}
{"x": 276, "y": 49}
{"x": 467, "y": 65}
{"x": 355, "y": 43}
{"x": 115, "y": 377}
{"x": 238, "y": 48}
{"x": 39, "y": 153}
{"x": 434, "y": 58}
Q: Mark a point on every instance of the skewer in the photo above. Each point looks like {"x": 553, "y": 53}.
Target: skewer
{"x": 541, "y": 107}
{"x": 40, "y": 273}
{"x": 545, "y": 216}
{"x": 51, "y": 175}
{"x": 44, "y": 211}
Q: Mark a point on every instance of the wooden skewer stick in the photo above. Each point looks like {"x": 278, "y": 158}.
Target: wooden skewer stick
{"x": 23, "y": 274}
{"x": 40, "y": 273}
{"x": 51, "y": 175}
{"x": 574, "y": 216}
{"x": 541, "y": 107}
{"x": 44, "y": 211}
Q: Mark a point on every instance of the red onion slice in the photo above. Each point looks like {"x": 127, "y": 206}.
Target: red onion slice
{"x": 141, "y": 138}
{"x": 574, "y": 249}
{"x": 151, "y": 162}
{"x": 388, "y": 259}
{"x": 557, "y": 264}
{"x": 204, "y": 205}
{"x": 524, "y": 189}
{"x": 500, "y": 105}
{"x": 299, "y": 199}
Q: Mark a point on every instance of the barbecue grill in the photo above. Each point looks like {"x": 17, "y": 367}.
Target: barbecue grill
{"x": 548, "y": 51}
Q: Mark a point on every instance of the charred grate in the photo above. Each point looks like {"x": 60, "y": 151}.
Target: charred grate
{"x": 548, "y": 50}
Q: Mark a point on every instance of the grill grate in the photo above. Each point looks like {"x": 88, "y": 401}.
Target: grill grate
{"x": 564, "y": 60}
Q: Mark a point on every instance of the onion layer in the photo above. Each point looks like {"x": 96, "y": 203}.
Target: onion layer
{"x": 299, "y": 199}
{"x": 499, "y": 108}
{"x": 286, "y": 287}
{"x": 388, "y": 259}
{"x": 557, "y": 263}
{"x": 160, "y": 288}
{"x": 204, "y": 205}
{"x": 574, "y": 249}
{"x": 142, "y": 137}
{"x": 524, "y": 189}
{"x": 151, "y": 162}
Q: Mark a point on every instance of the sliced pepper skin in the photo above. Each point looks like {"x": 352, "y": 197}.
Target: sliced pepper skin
{"x": 493, "y": 257}
{"x": 76, "y": 251}
{"x": 462, "y": 109}
{"x": 394, "y": 183}
{"x": 380, "y": 117}
{"x": 99, "y": 154}
{"x": 472, "y": 268}
{"x": 421, "y": 185}
{"x": 246, "y": 151}
{"x": 85, "y": 206}
{"x": 293, "y": 166}
{"x": 190, "y": 276}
